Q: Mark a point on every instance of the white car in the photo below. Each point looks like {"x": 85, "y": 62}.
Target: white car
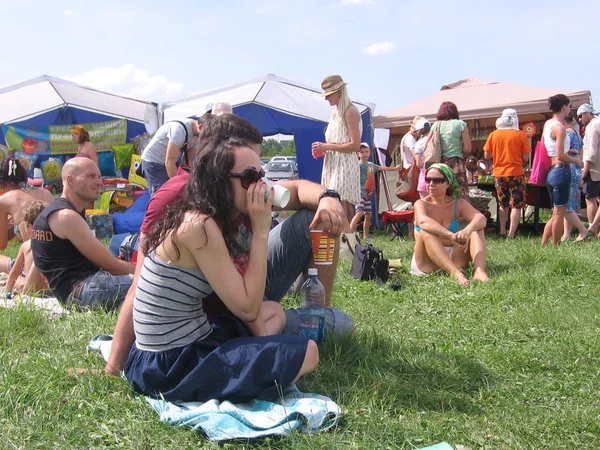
{"x": 282, "y": 158}
{"x": 281, "y": 170}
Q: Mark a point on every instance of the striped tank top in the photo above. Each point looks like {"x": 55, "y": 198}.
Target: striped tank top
{"x": 167, "y": 308}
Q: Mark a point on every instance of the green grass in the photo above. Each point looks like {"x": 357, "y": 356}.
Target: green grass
{"x": 512, "y": 364}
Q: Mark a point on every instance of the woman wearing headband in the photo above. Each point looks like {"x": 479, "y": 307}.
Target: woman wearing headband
{"x": 17, "y": 195}
{"x": 440, "y": 243}
{"x": 238, "y": 356}
{"x": 341, "y": 168}
{"x": 82, "y": 138}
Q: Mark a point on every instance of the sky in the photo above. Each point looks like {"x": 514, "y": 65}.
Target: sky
{"x": 390, "y": 52}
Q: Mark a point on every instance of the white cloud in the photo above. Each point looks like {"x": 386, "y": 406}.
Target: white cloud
{"x": 354, "y": 2}
{"x": 131, "y": 81}
{"x": 379, "y": 48}
{"x": 68, "y": 12}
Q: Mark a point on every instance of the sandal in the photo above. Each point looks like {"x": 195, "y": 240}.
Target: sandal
{"x": 587, "y": 237}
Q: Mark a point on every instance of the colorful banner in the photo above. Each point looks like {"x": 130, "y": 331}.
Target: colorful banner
{"x": 57, "y": 139}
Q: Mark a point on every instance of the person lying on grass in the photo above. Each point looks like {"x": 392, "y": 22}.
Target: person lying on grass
{"x": 24, "y": 276}
{"x": 178, "y": 353}
{"x": 440, "y": 243}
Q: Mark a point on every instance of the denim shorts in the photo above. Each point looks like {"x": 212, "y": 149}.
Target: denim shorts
{"x": 101, "y": 291}
{"x": 558, "y": 183}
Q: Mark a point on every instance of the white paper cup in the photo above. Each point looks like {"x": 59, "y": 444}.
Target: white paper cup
{"x": 281, "y": 195}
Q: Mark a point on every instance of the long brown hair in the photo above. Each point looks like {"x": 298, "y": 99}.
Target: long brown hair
{"x": 208, "y": 191}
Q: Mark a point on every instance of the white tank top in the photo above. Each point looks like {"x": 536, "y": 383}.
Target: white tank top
{"x": 551, "y": 143}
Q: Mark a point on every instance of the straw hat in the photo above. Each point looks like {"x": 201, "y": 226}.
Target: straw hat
{"x": 331, "y": 85}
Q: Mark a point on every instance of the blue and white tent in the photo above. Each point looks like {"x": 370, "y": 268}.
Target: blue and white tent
{"x": 275, "y": 106}
{"x": 46, "y": 100}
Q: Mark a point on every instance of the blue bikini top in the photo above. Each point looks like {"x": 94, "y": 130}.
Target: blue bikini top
{"x": 454, "y": 225}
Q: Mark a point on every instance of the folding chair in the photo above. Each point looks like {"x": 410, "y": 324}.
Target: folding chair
{"x": 397, "y": 221}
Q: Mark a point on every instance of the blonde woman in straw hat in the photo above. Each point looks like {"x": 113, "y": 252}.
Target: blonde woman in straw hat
{"x": 341, "y": 168}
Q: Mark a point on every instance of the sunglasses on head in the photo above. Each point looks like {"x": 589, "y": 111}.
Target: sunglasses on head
{"x": 248, "y": 176}
{"x": 435, "y": 180}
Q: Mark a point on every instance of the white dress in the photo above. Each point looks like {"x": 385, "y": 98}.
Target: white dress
{"x": 341, "y": 171}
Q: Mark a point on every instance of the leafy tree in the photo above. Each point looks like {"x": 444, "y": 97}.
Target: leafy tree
{"x": 272, "y": 147}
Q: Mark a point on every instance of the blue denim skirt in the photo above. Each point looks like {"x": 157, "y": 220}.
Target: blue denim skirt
{"x": 229, "y": 364}
{"x": 558, "y": 183}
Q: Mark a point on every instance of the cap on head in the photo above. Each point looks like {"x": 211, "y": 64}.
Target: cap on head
{"x": 421, "y": 124}
{"x": 364, "y": 144}
{"x": 509, "y": 120}
{"x": 585, "y": 108}
{"x": 332, "y": 84}
{"x": 207, "y": 108}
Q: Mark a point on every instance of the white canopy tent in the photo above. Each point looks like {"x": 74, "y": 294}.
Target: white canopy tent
{"x": 42, "y": 94}
{"x": 275, "y": 105}
{"x": 269, "y": 91}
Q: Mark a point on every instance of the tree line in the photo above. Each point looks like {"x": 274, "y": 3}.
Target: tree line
{"x": 272, "y": 147}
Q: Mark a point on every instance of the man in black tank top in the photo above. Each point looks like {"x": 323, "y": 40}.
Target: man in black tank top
{"x": 80, "y": 270}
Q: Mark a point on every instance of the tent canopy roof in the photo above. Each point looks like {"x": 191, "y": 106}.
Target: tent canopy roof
{"x": 270, "y": 91}
{"x": 477, "y": 99}
{"x": 45, "y": 93}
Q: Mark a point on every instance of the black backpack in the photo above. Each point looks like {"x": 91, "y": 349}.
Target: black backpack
{"x": 129, "y": 246}
{"x": 369, "y": 264}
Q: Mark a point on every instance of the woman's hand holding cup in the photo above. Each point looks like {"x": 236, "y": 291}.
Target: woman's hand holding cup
{"x": 259, "y": 206}
{"x": 318, "y": 149}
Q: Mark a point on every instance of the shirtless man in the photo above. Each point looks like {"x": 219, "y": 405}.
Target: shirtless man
{"x": 17, "y": 195}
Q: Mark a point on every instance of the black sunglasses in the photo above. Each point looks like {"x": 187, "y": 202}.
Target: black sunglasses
{"x": 248, "y": 176}
{"x": 434, "y": 180}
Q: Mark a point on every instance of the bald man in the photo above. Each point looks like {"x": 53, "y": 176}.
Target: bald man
{"x": 81, "y": 271}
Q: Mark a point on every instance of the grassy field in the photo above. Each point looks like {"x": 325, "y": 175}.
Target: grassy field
{"x": 514, "y": 363}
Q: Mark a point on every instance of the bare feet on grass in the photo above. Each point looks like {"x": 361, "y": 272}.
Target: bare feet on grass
{"x": 460, "y": 278}
{"x": 480, "y": 275}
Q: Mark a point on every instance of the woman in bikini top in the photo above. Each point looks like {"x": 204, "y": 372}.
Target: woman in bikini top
{"x": 440, "y": 243}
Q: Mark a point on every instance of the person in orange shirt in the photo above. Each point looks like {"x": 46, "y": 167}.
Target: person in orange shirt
{"x": 508, "y": 148}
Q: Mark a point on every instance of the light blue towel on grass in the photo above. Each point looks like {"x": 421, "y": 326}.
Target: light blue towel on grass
{"x": 309, "y": 413}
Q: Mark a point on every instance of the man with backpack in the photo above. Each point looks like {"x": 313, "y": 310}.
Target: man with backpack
{"x": 169, "y": 143}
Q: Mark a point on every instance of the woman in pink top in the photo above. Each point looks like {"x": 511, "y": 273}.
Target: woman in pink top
{"x": 86, "y": 148}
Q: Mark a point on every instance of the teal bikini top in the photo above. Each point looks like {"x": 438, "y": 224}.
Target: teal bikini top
{"x": 453, "y": 227}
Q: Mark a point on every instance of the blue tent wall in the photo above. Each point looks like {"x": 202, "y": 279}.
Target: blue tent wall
{"x": 68, "y": 115}
{"x": 270, "y": 121}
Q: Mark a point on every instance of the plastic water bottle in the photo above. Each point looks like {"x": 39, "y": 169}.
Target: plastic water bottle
{"x": 311, "y": 312}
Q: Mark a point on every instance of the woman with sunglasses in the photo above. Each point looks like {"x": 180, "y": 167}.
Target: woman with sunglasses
{"x": 180, "y": 355}
{"x": 440, "y": 243}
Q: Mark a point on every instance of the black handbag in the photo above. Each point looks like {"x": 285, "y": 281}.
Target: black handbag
{"x": 369, "y": 264}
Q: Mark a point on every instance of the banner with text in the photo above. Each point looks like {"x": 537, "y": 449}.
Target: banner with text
{"x": 57, "y": 139}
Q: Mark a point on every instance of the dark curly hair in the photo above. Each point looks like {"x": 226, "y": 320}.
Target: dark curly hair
{"x": 208, "y": 191}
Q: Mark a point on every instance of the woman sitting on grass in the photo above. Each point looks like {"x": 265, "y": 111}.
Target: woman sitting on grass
{"x": 178, "y": 354}
{"x": 440, "y": 244}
